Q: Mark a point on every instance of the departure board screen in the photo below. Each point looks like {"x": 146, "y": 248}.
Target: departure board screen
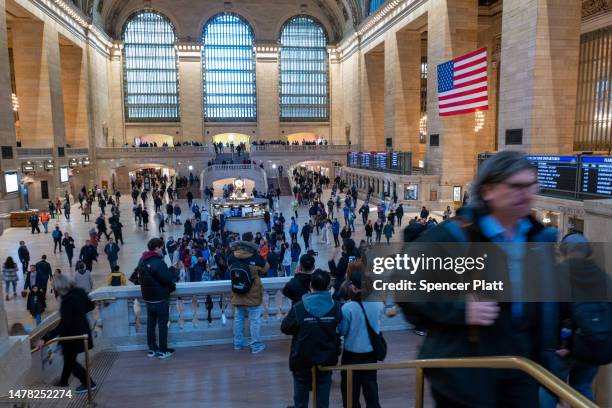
{"x": 353, "y": 158}
{"x": 596, "y": 176}
{"x": 395, "y": 162}
{"x": 380, "y": 160}
{"x": 556, "y": 172}
{"x": 365, "y": 160}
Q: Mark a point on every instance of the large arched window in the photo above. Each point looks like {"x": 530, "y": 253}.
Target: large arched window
{"x": 303, "y": 71}
{"x": 229, "y": 69}
{"x": 150, "y": 72}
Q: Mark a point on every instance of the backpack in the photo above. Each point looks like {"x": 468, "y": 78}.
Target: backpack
{"x": 115, "y": 279}
{"x": 592, "y": 340}
{"x": 240, "y": 275}
{"x": 317, "y": 343}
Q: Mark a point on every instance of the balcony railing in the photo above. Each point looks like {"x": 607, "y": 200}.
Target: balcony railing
{"x": 300, "y": 148}
{"x": 77, "y": 151}
{"x": 200, "y": 313}
{"x": 29, "y": 153}
{"x": 118, "y": 152}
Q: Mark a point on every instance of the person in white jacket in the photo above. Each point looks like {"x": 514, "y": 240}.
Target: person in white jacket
{"x": 286, "y": 260}
{"x": 82, "y": 278}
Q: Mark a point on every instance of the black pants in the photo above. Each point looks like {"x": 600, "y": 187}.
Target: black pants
{"x": 57, "y": 243}
{"x": 336, "y": 241}
{"x": 118, "y": 236}
{"x": 362, "y": 380}
{"x": 35, "y": 228}
{"x": 158, "y": 315}
{"x": 72, "y": 366}
{"x": 100, "y": 232}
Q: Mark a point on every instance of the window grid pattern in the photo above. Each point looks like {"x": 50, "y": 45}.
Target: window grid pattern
{"x": 594, "y": 97}
{"x": 303, "y": 71}
{"x": 228, "y": 61}
{"x": 150, "y": 70}
{"x": 374, "y": 5}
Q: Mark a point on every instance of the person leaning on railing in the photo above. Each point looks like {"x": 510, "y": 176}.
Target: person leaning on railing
{"x": 74, "y": 306}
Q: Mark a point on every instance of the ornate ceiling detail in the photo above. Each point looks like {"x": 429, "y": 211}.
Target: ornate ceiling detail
{"x": 592, "y": 7}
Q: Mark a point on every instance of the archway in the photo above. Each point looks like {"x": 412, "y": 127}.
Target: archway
{"x": 304, "y": 137}
{"x": 158, "y": 138}
{"x": 235, "y": 138}
{"x": 218, "y": 185}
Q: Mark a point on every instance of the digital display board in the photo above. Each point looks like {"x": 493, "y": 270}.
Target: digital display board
{"x": 380, "y": 160}
{"x": 64, "y": 176}
{"x": 391, "y": 162}
{"x": 11, "y": 181}
{"x": 596, "y": 176}
{"x": 556, "y": 172}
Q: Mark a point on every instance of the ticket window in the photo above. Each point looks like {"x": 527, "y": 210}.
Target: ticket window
{"x": 575, "y": 225}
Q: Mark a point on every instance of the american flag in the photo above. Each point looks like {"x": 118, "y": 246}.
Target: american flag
{"x": 462, "y": 84}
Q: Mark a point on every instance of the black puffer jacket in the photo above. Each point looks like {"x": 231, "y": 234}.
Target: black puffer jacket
{"x": 73, "y": 320}
{"x": 156, "y": 281}
{"x": 297, "y": 287}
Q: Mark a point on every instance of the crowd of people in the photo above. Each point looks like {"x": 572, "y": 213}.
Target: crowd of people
{"x": 327, "y": 304}
{"x": 320, "y": 142}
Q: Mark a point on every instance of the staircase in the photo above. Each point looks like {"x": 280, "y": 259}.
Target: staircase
{"x": 228, "y": 157}
{"x": 283, "y": 182}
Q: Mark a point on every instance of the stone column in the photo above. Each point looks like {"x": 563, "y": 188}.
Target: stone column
{"x": 190, "y": 89}
{"x": 452, "y": 32}
{"x": 268, "y": 105}
{"x": 74, "y": 90}
{"x": 373, "y": 100}
{"x": 336, "y": 110}
{"x": 539, "y": 73}
{"x": 403, "y": 90}
{"x": 116, "y": 127}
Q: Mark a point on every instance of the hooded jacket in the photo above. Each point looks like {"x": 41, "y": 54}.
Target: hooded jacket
{"x": 322, "y": 330}
{"x": 247, "y": 252}
{"x": 297, "y": 287}
{"x": 156, "y": 281}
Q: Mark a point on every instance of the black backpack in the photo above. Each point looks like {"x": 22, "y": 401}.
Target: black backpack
{"x": 115, "y": 280}
{"x": 592, "y": 340}
{"x": 240, "y": 275}
{"x": 317, "y": 342}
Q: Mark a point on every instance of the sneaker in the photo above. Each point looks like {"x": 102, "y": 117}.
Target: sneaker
{"x": 244, "y": 344}
{"x": 165, "y": 354}
{"x": 83, "y": 388}
{"x": 151, "y": 353}
{"x": 258, "y": 348}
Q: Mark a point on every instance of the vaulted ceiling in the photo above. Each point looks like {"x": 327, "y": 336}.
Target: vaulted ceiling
{"x": 337, "y": 15}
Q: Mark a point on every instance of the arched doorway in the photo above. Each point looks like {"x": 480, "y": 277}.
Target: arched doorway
{"x": 235, "y": 138}
{"x": 304, "y": 137}
{"x": 157, "y": 138}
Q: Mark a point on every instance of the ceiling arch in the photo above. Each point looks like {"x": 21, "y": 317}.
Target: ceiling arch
{"x": 338, "y": 16}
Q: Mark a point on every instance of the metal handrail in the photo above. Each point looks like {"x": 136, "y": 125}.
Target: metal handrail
{"x": 85, "y": 339}
{"x": 536, "y": 371}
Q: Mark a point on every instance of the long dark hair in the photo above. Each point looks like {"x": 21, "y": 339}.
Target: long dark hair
{"x": 10, "y": 264}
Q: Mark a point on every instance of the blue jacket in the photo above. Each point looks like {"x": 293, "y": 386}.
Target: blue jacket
{"x": 293, "y": 229}
{"x": 335, "y": 227}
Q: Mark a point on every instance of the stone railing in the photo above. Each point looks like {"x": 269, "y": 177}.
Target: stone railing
{"x": 219, "y": 167}
{"x": 300, "y": 148}
{"x": 27, "y": 152}
{"x": 126, "y": 152}
{"x": 77, "y": 151}
{"x": 220, "y": 171}
{"x": 201, "y": 313}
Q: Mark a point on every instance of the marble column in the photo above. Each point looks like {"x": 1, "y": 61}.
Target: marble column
{"x": 403, "y": 90}
{"x": 539, "y": 74}
{"x": 268, "y": 105}
{"x": 452, "y": 30}
{"x": 373, "y": 99}
{"x": 190, "y": 89}
{"x": 116, "y": 128}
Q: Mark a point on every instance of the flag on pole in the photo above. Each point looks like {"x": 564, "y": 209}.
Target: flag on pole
{"x": 462, "y": 84}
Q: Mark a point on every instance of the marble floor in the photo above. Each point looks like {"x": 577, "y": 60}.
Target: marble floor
{"x": 135, "y": 243}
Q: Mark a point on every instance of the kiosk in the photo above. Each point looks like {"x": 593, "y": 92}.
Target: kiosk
{"x": 242, "y": 213}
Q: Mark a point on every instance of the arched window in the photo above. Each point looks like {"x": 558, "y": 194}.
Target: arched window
{"x": 303, "y": 71}
{"x": 374, "y": 5}
{"x": 229, "y": 69}
{"x": 150, "y": 72}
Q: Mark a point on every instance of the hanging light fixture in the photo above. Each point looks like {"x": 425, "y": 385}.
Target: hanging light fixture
{"x": 15, "y": 102}
{"x": 423, "y": 125}
{"x": 478, "y": 121}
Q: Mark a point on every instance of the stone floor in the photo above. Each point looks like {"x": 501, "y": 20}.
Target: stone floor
{"x": 135, "y": 242}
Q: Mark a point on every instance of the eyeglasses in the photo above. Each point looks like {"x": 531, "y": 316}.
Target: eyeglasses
{"x": 522, "y": 186}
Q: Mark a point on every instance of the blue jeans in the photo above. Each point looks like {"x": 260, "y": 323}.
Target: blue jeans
{"x": 7, "y": 284}
{"x": 302, "y": 383}
{"x": 579, "y": 375}
{"x": 37, "y": 319}
{"x": 158, "y": 315}
{"x": 293, "y": 268}
{"x": 254, "y": 314}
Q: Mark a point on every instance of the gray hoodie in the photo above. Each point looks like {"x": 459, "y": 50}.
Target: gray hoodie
{"x": 82, "y": 279}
